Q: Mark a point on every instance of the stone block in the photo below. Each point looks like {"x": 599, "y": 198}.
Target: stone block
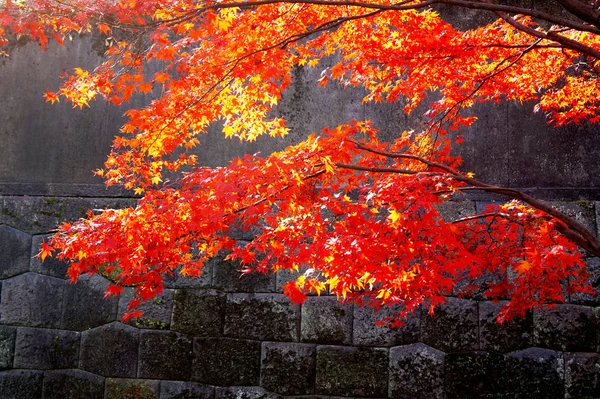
{"x": 50, "y": 266}
{"x": 582, "y": 211}
{"x": 288, "y": 368}
{"x": 185, "y": 390}
{"x": 582, "y": 375}
{"x": 227, "y": 277}
{"x": 326, "y": 321}
{"x": 454, "y": 210}
{"x": 366, "y": 333}
{"x": 533, "y": 373}
{"x": 226, "y": 362}
{"x": 566, "y": 328}
{"x": 44, "y": 349}
{"x": 284, "y": 276}
{"x": 503, "y": 337}
{"x": 198, "y": 313}
{"x": 72, "y": 384}
{"x": 39, "y": 215}
{"x": 473, "y": 375}
{"x": 110, "y": 350}
{"x": 21, "y": 384}
{"x": 592, "y": 299}
{"x": 416, "y": 372}
{"x": 266, "y": 317}
{"x": 33, "y": 300}
{"x": 165, "y": 355}
{"x": 453, "y": 327}
{"x": 176, "y": 280}
{"x": 597, "y": 318}
{"x": 118, "y": 388}
{"x": 7, "y": 346}
{"x": 85, "y": 305}
{"x": 350, "y": 371}
{"x": 244, "y": 393}
{"x": 156, "y": 312}
{"x": 15, "y": 250}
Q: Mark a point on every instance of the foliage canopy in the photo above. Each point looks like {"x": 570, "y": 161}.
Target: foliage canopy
{"x": 358, "y": 214}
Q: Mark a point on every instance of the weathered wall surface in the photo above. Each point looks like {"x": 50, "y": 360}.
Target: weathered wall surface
{"x": 52, "y": 149}
{"x": 225, "y": 337}
{"x": 222, "y": 336}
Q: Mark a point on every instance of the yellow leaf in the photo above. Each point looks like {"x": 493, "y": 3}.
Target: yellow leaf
{"x": 523, "y": 266}
{"x": 394, "y": 216}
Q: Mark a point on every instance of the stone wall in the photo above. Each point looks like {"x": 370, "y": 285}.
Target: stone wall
{"x": 222, "y": 336}
{"x": 52, "y": 149}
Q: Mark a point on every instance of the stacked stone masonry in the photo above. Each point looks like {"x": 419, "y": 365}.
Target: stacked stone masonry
{"x": 222, "y": 336}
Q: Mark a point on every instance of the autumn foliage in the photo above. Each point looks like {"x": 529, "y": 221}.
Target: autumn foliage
{"x": 359, "y": 215}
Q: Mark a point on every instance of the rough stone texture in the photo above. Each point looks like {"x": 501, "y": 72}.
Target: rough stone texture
{"x": 582, "y": 211}
{"x": 533, "y": 373}
{"x": 266, "y": 317}
{"x": 226, "y": 362}
{"x": 473, "y": 375}
{"x": 284, "y": 276}
{"x": 185, "y": 390}
{"x": 565, "y": 327}
{"x": 416, "y": 372}
{"x": 597, "y": 206}
{"x": 14, "y": 252}
{"x": 117, "y": 388}
{"x": 288, "y": 369}
{"x": 582, "y": 375}
{"x": 453, "y": 327}
{"x": 227, "y": 277}
{"x": 50, "y": 266}
{"x": 593, "y": 267}
{"x": 7, "y": 346}
{"x": 349, "y": 371}
{"x": 176, "y": 280}
{"x": 85, "y": 305}
{"x": 39, "y": 215}
{"x": 43, "y": 349}
{"x": 366, "y": 333}
{"x": 157, "y": 311}
{"x": 454, "y": 210}
{"x": 244, "y": 393}
{"x": 21, "y": 384}
{"x": 597, "y": 317}
{"x": 503, "y": 337}
{"x": 33, "y": 300}
{"x": 75, "y": 142}
{"x": 326, "y": 321}
{"x": 198, "y": 312}
{"x": 72, "y": 384}
{"x": 110, "y": 350}
{"x": 165, "y": 355}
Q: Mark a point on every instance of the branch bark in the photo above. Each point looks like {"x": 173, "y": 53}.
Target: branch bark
{"x": 570, "y": 228}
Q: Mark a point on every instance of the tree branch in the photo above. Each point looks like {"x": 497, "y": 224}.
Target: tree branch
{"x": 572, "y": 229}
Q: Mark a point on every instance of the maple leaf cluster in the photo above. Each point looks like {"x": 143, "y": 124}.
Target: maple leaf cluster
{"x": 359, "y": 215}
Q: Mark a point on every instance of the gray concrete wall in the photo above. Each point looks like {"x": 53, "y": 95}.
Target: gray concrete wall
{"x": 48, "y": 149}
